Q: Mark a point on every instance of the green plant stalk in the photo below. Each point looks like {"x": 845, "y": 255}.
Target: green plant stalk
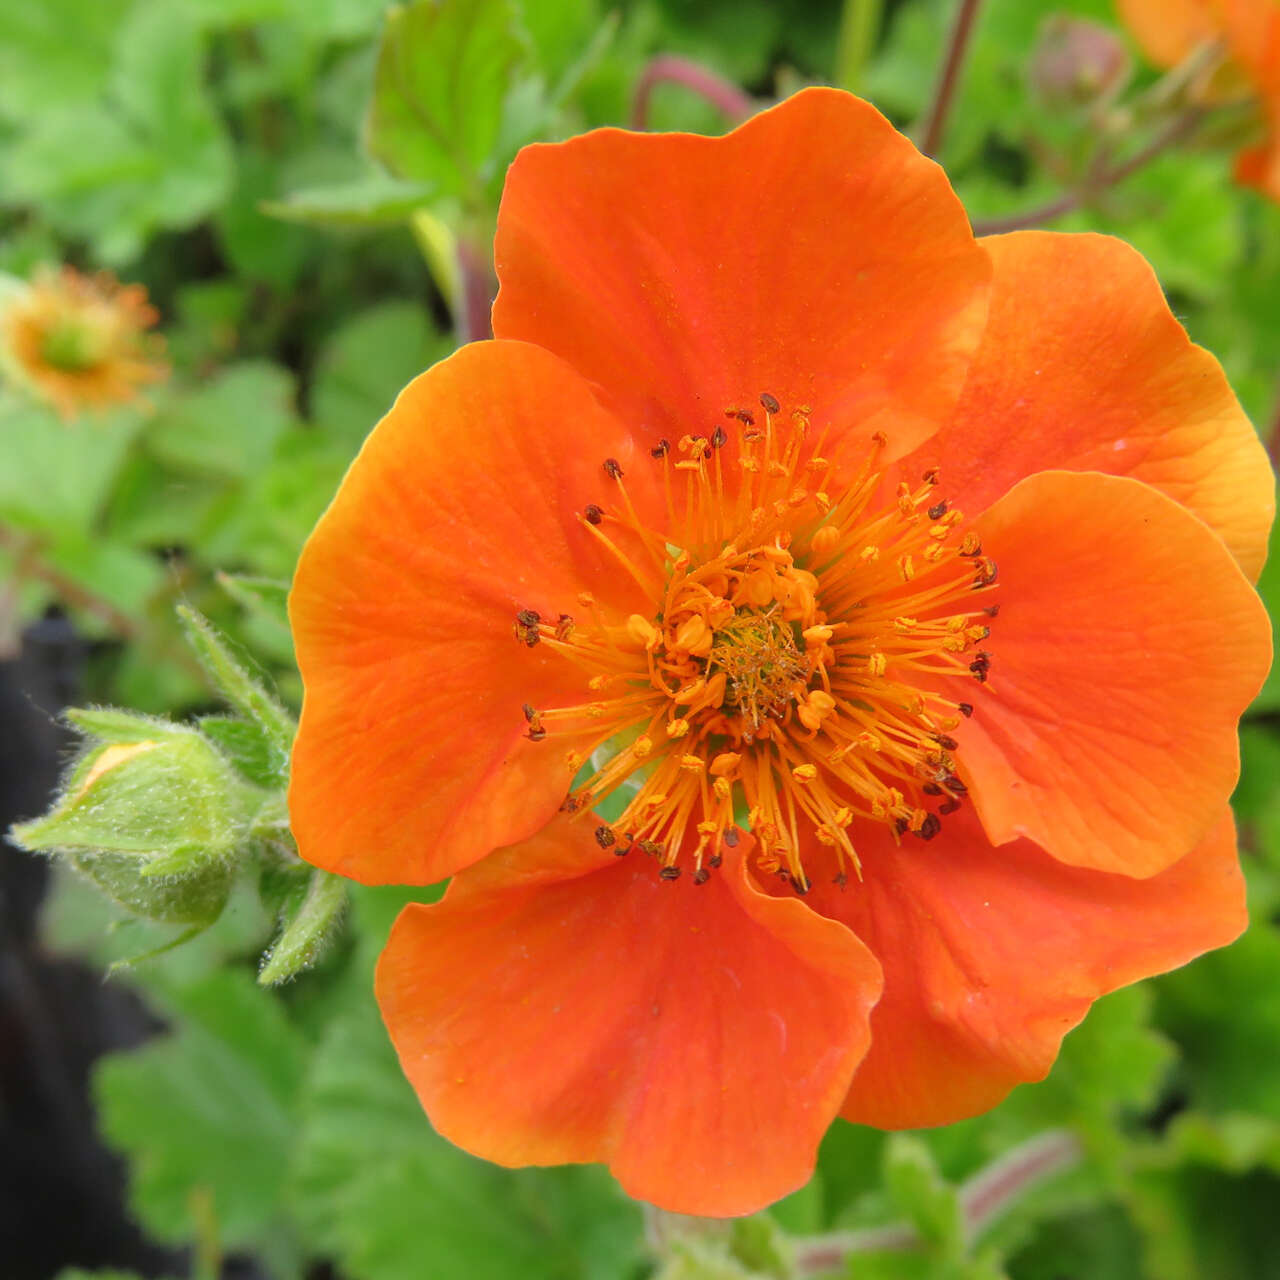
{"x": 855, "y": 40}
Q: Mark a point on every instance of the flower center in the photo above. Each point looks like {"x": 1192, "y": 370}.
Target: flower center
{"x": 796, "y": 669}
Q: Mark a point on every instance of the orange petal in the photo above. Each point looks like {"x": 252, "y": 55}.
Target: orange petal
{"x": 1083, "y": 367}
{"x": 812, "y": 254}
{"x": 564, "y": 1005}
{"x": 1168, "y": 30}
{"x": 1127, "y": 646}
{"x": 461, "y": 510}
{"x": 1252, "y": 30}
{"x": 991, "y": 955}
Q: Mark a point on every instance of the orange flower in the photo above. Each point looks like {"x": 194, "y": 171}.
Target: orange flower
{"x": 836, "y": 625}
{"x": 1170, "y": 30}
{"x": 80, "y": 342}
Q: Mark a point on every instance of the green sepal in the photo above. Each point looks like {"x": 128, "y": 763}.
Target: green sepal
{"x": 311, "y": 921}
{"x": 195, "y": 898}
{"x": 922, "y": 1194}
{"x": 761, "y": 1245}
{"x": 232, "y": 677}
{"x": 246, "y": 745}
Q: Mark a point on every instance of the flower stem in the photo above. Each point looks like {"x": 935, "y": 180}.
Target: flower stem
{"x": 859, "y": 26}
{"x": 669, "y": 69}
{"x": 983, "y": 1198}
{"x": 948, "y": 77}
{"x": 476, "y": 291}
{"x": 1179, "y": 128}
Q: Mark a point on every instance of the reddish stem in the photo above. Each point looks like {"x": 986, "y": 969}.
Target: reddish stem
{"x": 1175, "y": 131}
{"x": 669, "y": 69}
{"x": 949, "y": 77}
{"x": 473, "y": 319}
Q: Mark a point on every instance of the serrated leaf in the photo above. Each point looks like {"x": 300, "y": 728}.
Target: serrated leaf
{"x": 228, "y": 427}
{"x": 365, "y": 365}
{"x": 210, "y": 1108}
{"x": 438, "y": 90}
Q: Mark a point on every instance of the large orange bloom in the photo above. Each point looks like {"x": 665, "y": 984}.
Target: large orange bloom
{"x": 814, "y": 638}
{"x": 1170, "y": 30}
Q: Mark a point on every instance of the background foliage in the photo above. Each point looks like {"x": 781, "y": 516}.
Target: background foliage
{"x": 293, "y": 181}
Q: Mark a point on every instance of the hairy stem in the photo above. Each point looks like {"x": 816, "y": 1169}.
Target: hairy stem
{"x": 948, "y": 78}
{"x": 1177, "y": 129}
{"x": 983, "y": 1198}
{"x": 669, "y": 69}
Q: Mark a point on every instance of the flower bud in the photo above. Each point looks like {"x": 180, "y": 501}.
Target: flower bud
{"x": 1075, "y": 62}
{"x": 154, "y": 814}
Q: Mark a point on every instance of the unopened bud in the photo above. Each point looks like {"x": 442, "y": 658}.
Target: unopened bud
{"x": 1075, "y": 62}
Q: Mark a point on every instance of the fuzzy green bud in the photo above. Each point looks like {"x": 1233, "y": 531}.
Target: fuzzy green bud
{"x": 154, "y": 814}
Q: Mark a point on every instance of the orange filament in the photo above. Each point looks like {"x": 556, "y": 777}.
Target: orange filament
{"x": 795, "y": 665}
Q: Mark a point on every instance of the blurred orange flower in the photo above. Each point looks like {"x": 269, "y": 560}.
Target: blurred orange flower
{"x": 80, "y": 342}
{"x": 1170, "y": 30}
{"x": 836, "y": 625}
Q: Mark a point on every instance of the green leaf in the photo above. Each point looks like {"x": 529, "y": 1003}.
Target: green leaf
{"x": 41, "y": 67}
{"x": 236, "y": 682}
{"x": 378, "y": 200}
{"x": 308, "y": 929}
{"x": 55, "y": 476}
{"x": 229, "y": 426}
{"x": 438, "y": 90}
{"x": 366, "y": 364}
{"x": 209, "y": 1109}
{"x": 154, "y": 155}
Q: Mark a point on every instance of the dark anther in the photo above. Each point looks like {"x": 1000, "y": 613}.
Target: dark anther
{"x": 731, "y": 837}
{"x": 979, "y": 671}
{"x": 571, "y": 803}
{"x": 770, "y": 403}
{"x": 669, "y": 873}
{"x": 612, "y": 469}
{"x": 715, "y": 860}
{"x": 977, "y": 551}
{"x": 986, "y": 574}
{"x": 931, "y": 789}
{"x": 900, "y": 825}
{"x": 529, "y": 712}
{"x": 938, "y": 510}
{"x": 946, "y": 743}
{"x": 564, "y": 625}
{"x": 719, "y": 438}
{"x": 744, "y": 416}
{"x": 954, "y": 784}
{"x": 965, "y": 709}
{"x": 930, "y": 827}
{"x": 661, "y": 449}
{"x": 536, "y": 733}
{"x": 528, "y": 617}
{"x": 991, "y": 610}
{"x": 752, "y": 435}
{"x": 593, "y": 514}
{"x": 931, "y": 476}
{"x": 800, "y": 886}
{"x": 651, "y": 847}
{"x": 623, "y": 847}
{"x": 605, "y": 837}
{"x": 948, "y": 806}
{"x": 701, "y": 876}
{"x": 841, "y": 879}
